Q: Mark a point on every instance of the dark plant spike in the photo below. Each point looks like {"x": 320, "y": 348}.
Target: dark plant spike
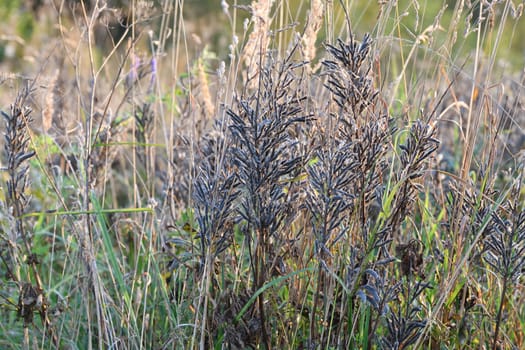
{"x": 344, "y": 177}
{"x": 329, "y": 200}
{"x": 348, "y": 77}
{"x": 415, "y": 153}
{"x": 265, "y": 156}
{"x": 17, "y": 152}
{"x": 403, "y": 324}
{"x": 505, "y": 245}
{"x": 32, "y": 297}
{"x": 214, "y": 204}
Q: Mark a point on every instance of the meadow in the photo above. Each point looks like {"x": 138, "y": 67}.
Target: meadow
{"x": 262, "y": 175}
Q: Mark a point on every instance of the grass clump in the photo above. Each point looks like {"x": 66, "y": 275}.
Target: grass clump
{"x": 307, "y": 188}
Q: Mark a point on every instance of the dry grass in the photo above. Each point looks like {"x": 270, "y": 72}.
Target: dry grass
{"x": 310, "y": 187}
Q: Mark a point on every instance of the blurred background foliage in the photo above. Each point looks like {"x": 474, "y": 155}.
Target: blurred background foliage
{"x": 29, "y": 24}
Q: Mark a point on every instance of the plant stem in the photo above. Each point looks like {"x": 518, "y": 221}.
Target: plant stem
{"x": 314, "y": 307}
{"x": 500, "y": 309}
{"x": 261, "y": 259}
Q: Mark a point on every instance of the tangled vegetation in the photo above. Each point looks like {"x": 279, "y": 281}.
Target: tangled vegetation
{"x": 304, "y": 179}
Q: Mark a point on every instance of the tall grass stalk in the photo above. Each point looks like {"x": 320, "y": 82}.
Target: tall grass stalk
{"x": 262, "y": 175}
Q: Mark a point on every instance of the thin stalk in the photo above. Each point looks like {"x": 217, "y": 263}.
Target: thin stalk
{"x": 314, "y": 307}
{"x": 260, "y": 259}
{"x": 500, "y": 309}
{"x": 209, "y": 264}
